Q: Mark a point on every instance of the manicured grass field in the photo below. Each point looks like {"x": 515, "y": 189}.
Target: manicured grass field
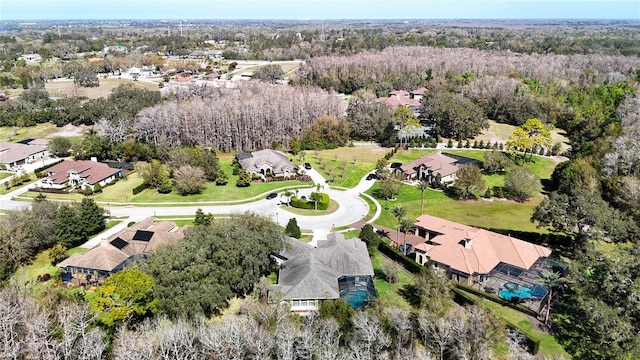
{"x": 388, "y": 293}
{"x": 9, "y": 133}
{"x": 333, "y": 207}
{"x": 356, "y": 162}
{"x": 5, "y": 175}
{"x": 497, "y": 214}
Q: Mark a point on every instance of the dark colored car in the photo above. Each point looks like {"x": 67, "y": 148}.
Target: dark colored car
{"x": 307, "y": 166}
{"x": 272, "y": 196}
{"x": 371, "y": 177}
{"x": 395, "y": 165}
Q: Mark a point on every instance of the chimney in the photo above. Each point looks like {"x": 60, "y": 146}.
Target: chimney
{"x": 467, "y": 240}
{"x": 94, "y": 159}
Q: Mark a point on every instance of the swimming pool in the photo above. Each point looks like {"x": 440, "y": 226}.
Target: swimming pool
{"x": 511, "y": 290}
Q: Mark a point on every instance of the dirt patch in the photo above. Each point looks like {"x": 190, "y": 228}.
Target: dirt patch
{"x": 69, "y": 131}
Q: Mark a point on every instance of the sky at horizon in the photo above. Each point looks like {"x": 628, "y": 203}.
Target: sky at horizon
{"x": 318, "y": 9}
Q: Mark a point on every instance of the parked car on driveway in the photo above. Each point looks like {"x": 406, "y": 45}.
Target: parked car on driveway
{"x": 307, "y": 166}
{"x": 272, "y": 196}
{"x": 371, "y": 177}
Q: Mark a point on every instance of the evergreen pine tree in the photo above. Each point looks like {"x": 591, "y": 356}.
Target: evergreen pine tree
{"x": 293, "y": 229}
{"x": 68, "y": 229}
{"x": 91, "y": 217}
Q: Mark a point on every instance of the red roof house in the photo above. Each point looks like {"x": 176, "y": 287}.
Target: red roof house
{"x": 80, "y": 174}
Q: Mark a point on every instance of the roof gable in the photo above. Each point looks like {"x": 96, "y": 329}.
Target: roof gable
{"x": 313, "y": 273}
{"x": 487, "y": 249}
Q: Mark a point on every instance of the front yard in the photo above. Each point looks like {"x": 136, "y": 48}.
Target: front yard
{"x": 345, "y": 166}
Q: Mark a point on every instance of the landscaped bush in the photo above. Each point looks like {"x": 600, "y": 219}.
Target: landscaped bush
{"x": 397, "y": 256}
{"x": 323, "y": 204}
{"x": 138, "y": 189}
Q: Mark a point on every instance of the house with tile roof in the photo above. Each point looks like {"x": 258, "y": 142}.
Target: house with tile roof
{"x": 469, "y": 255}
{"x": 430, "y": 166}
{"x": 336, "y": 269}
{"x": 115, "y": 252}
{"x": 14, "y": 154}
{"x": 79, "y": 174}
{"x": 398, "y": 98}
{"x": 266, "y": 161}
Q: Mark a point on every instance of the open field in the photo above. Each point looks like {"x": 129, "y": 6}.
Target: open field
{"x": 66, "y": 88}
{"x": 14, "y": 134}
{"x": 541, "y": 165}
{"x": 500, "y": 132}
{"x": 497, "y": 214}
{"x": 356, "y": 162}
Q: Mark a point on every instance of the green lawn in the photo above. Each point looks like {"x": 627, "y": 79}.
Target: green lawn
{"x": 5, "y": 175}
{"x": 15, "y": 134}
{"x": 388, "y": 293}
{"x": 356, "y": 162}
{"x": 42, "y": 265}
{"x": 498, "y": 214}
{"x": 122, "y": 191}
{"x": 333, "y": 207}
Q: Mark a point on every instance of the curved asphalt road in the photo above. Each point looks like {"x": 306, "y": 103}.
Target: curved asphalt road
{"x": 352, "y": 209}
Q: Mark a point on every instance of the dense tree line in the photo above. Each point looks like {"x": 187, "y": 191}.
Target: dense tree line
{"x": 595, "y": 204}
{"x": 254, "y": 116}
{"x": 34, "y": 106}
{"x": 25, "y": 232}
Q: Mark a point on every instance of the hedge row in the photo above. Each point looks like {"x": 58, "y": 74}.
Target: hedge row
{"x": 397, "y": 256}
{"x": 138, "y": 189}
{"x": 310, "y": 204}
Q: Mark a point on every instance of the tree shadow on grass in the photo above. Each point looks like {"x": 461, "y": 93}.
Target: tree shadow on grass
{"x": 547, "y": 186}
{"x": 410, "y": 293}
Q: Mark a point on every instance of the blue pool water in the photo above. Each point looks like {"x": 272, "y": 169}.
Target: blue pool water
{"x": 511, "y": 290}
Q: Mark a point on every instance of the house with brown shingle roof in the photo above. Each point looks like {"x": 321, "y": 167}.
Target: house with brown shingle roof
{"x": 429, "y": 167}
{"x": 80, "y": 174}
{"x": 114, "y": 253}
{"x": 470, "y": 254}
{"x": 267, "y": 160}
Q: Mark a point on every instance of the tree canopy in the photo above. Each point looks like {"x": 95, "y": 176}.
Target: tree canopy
{"x": 222, "y": 260}
{"x": 453, "y": 115}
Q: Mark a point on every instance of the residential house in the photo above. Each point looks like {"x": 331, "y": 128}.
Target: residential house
{"x": 266, "y": 161}
{"x": 13, "y": 155}
{"x": 117, "y": 251}
{"x": 469, "y": 255}
{"x": 404, "y": 98}
{"x": 429, "y": 167}
{"x": 31, "y": 58}
{"x": 417, "y": 94}
{"x": 336, "y": 269}
{"x": 183, "y": 76}
{"x": 80, "y": 174}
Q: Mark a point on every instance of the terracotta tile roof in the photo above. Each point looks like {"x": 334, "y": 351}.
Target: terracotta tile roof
{"x": 109, "y": 254}
{"x": 486, "y": 250}
{"x": 395, "y": 102}
{"x": 91, "y": 171}
{"x": 419, "y": 91}
{"x": 399, "y": 93}
{"x": 13, "y": 152}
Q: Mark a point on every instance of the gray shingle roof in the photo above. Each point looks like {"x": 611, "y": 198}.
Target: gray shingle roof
{"x": 312, "y": 273}
{"x": 276, "y": 160}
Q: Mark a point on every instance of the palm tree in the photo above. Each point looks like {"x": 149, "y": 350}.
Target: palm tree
{"x": 422, "y": 186}
{"x": 405, "y": 226}
{"x": 398, "y": 212}
{"x": 550, "y": 279}
{"x": 288, "y": 194}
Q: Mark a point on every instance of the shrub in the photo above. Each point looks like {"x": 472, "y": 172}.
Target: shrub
{"x": 138, "y": 189}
